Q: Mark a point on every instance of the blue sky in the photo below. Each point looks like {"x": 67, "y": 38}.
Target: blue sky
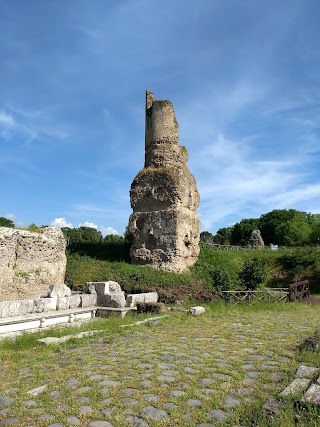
{"x": 243, "y": 76}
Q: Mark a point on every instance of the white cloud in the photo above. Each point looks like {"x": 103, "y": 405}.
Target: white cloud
{"x": 88, "y": 224}
{"x": 234, "y": 185}
{"x": 11, "y": 216}
{"x": 61, "y": 222}
{"x": 107, "y": 230}
{"x": 104, "y": 230}
{"x": 6, "y": 120}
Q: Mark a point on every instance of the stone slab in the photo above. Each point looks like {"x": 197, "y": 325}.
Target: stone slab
{"x": 59, "y": 290}
{"x": 312, "y": 395}
{"x": 296, "y": 386}
{"x": 88, "y": 300}
{"x": 307, "y": 372}
{"x": 133, "y": 299}
{"x": 195, "y": 311}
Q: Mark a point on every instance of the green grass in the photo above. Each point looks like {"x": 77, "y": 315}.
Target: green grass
{"x": 283, "y": 267}
{"x": 224, "y": 332}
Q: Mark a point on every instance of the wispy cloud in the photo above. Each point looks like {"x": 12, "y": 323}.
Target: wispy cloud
{"x": 234, "y": 184}
{"x": 6, "y": 120}
{"x": 30, "y": 125}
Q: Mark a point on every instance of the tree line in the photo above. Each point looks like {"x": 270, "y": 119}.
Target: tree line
{"x": 283, "y": 227}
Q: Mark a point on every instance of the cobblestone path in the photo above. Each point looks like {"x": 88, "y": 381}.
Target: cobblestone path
{"x": 184, "y": 371}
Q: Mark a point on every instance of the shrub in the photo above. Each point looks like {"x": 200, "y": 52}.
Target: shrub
{"x": 253, "y": 274}
{"x": 220, "y": 280}
{"x": 299, "y": 262}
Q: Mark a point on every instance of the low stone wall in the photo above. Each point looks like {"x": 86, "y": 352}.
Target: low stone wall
{"x": 60, "y": 297}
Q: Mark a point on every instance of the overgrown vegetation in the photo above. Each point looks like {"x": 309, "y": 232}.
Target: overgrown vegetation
{"x": 214, "y": 271}
{"x": 253, "y": 274}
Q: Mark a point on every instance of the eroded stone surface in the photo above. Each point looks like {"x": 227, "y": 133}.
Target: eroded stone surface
{"x": 5, "y": 401}
{"x": 307, "y": 372}
{"x": 29, "y": 262}
{"x": 296, "y": 386}
{"x": 312, "y": 395}
{"x": 218, "y": 414}
{"x": 154, "y": 413}
{"x": 164, "y": 196}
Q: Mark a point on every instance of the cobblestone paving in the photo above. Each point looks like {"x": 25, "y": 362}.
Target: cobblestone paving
{"x": 185, "y": 371}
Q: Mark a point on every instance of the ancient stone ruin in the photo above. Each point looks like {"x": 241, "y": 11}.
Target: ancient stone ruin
{"x": 30, "y": 262}
{"x": 256, "y": 240}
{"x": 164, "y": 196}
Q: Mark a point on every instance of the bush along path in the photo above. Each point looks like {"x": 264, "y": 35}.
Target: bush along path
{"x": 211, "y": 370}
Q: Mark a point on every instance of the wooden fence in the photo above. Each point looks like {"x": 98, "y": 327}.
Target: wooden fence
{"x": 298, "y": 291}
{"x": 270, "y": 296}
{"x": 294, "y": 292}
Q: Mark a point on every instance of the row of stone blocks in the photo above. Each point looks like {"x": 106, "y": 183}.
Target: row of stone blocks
{"x": 105, "y": 294}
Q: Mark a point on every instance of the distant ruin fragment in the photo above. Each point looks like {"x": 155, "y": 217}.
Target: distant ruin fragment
{"x": 30, "y": 262}
{"x": 164, "y": 196}
{"x": 256, "y": 240}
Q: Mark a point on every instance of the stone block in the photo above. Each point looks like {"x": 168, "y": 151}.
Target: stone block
{"x": 38, "y": 390}
{"x": 298, "y": 385}
{"x": 272, "y": 407}
{"x": 16, "y": 308}
{"x": 312, "y": 395}
{"x": 89, "y": 288}
{"x": 45, "y": 304}
{"x": 100, "y": 288}
{"x": 59, "y": 291}
{"x": 307, "y": 372}
{"x": 133, "y": 299}
{"x": 63, "y": 303}
{"x": 113, "y": 286}
{"x": 75, "y": 301}
{"x": 114, "y": 299}
{"x": 195, "y": 311}
{"x": 88, "y": 300}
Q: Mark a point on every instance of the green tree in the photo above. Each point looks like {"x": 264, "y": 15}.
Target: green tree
{"x": 220, "y": 280}
{"x": 206, "y": 237}
{"x": 241, "y": 232}
{"x": 269, "y": 222}
{"x": 294, "y": 232}
{"x": 315, "y": 229}
{"x": 89, "y": 235}
{"x": 223, "y": 236}
{"x": 5, "y": 222}
{"x": 33, "y": 227}
{"x": 113, "y": 238}
{"x": 128, "y": 237}
{"x": 72, "y": 235}
{"x": 253, "y": 274}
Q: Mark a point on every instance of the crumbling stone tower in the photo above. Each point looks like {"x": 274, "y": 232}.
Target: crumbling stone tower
{"x": 164, "y": 196}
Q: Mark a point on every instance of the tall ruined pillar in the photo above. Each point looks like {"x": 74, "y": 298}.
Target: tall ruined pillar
{"x": 164, "y": 196}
